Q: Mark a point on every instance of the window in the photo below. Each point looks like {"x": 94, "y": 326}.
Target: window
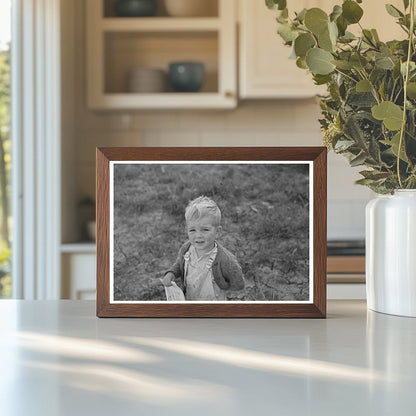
{"x": 5, "y": 147}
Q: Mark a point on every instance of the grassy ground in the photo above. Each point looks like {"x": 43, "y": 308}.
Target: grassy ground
{"x": 265, "y": 211}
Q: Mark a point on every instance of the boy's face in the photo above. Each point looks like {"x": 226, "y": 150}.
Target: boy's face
{"x": 202, "y": 233}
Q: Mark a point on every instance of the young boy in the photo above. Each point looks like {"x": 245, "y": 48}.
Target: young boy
{"x": 204, "y": 268}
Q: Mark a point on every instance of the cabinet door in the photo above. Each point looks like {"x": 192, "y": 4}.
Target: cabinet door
{"x": 78, "y": 276}
{"x": 266, "y": 71}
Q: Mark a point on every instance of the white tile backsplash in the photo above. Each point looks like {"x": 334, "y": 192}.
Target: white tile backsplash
{"x": 346, "y": 219}
{"x": 208, "y": 119}
{"x": 173, "y": 138}
{"x": 292, "y": 137}
{"x": 232, "y": 138}
{"x": 148, "y": 120}
{"x": 88, "y": 140}
{"x": 340, "y": 172}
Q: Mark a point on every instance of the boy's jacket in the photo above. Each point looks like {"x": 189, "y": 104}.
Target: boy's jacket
{"x": 226, "y": 271}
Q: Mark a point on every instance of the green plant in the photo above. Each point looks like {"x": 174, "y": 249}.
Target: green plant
{"x": 369, "y": 112}
{"x": 5, "y": 280}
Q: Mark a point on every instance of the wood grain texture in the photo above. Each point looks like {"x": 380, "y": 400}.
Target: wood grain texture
{"x": 103, "y": 231}
{"x": 345, "y": 278}
{"x": 346, "y": 264}
{"x": 320, "y": 232}
{"x": 317, "y": 309}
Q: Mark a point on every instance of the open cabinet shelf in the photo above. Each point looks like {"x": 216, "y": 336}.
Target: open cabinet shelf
{"x": 160, "y": 24}
{"x": 116, "y": 46}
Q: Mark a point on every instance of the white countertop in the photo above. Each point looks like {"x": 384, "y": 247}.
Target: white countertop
{"x": 57, "y": 358}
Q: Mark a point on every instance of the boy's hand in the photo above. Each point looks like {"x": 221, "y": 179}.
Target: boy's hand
{"x": 167, "y": 279}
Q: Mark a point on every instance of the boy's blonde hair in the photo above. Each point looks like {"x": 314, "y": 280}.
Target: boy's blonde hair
{"x": 201, "y": 207}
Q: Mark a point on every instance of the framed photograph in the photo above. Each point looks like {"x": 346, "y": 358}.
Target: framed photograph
{"x": 211, "y": 232}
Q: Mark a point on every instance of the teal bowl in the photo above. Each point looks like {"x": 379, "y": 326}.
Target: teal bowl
{"x": 186, "y": 76}
{"x": 135, "y": 8}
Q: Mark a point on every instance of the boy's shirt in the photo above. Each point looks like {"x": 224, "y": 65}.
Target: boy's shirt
{"x": 226, "y": 271}
{"x": 200, "y": 284}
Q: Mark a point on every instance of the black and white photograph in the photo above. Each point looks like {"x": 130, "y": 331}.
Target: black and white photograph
{"x": 217, "y": 231}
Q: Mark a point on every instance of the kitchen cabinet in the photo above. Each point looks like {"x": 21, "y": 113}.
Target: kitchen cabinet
{"x": 78, "y": 262}
{"x": 118, "y": 45}
{"x": 346, "y": 277}
{"x": 265, "y": 70}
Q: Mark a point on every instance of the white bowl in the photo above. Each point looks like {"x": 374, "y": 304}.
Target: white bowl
{"x": 191, "y": 8}
{"x": 147, "y": 80}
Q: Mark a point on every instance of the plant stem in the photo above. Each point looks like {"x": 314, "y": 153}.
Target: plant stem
{"x": 346, "y": 75}
{"x": 373, "y": 88}
{"x": 405, "y": 81}
{"x": 397, "y": 95}
{"x": 392, "y": 91}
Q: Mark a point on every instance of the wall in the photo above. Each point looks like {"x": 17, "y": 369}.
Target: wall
{"x": 253, "y": 123}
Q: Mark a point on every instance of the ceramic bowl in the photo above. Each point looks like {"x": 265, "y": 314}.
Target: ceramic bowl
{"x": 147, "y": 80}
{"x": 186, "y": 76}
{"x": 191, "y": 8}
{"x": 135, "y": 8}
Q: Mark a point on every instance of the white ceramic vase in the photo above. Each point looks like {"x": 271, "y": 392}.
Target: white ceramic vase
{"x": 391, "y": 253}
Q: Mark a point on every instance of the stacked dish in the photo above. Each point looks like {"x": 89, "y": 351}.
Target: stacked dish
{"x": 147, "y": 80}
{"x": 191, "y": 8}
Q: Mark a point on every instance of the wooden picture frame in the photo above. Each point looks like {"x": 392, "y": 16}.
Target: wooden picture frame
{"x": 297, "y": 175}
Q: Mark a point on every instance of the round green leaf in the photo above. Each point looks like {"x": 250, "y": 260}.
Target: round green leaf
{"x": 301, "y": 15}
{"x": 301, "y": 63}
{"x": 358, "y": 61}
{"x": 287, "y": 33}
{"x": 363, "y": 86}
{"x": 351, "y": 11}
{"x": 411, "y": 90}
{"x": 393, "y": 11}
{"x": 395, "y": 144}
{"x": 276, "y": 4}
{"x": 333, "y": 32}
{"x": 319, "y": 61}
{"x": 328, "y": 38}
{"x": 303, "y": 43}
{"x": 336, "y": 12}
{"x": 316, "y": 20}
{"x": 342, "y": 25}
{"x": 384, "y": 62}
{"x": 322, "y": 79}
{"x": 344, "y": 65}
{"x": 368, "y": 37}
{"x": 325, "y": 42}
{"x": 403, "y": 66}
{"x": 391, "y": 114}
{"x": 347, "y": 37}
{"x": 375, "y": 35}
